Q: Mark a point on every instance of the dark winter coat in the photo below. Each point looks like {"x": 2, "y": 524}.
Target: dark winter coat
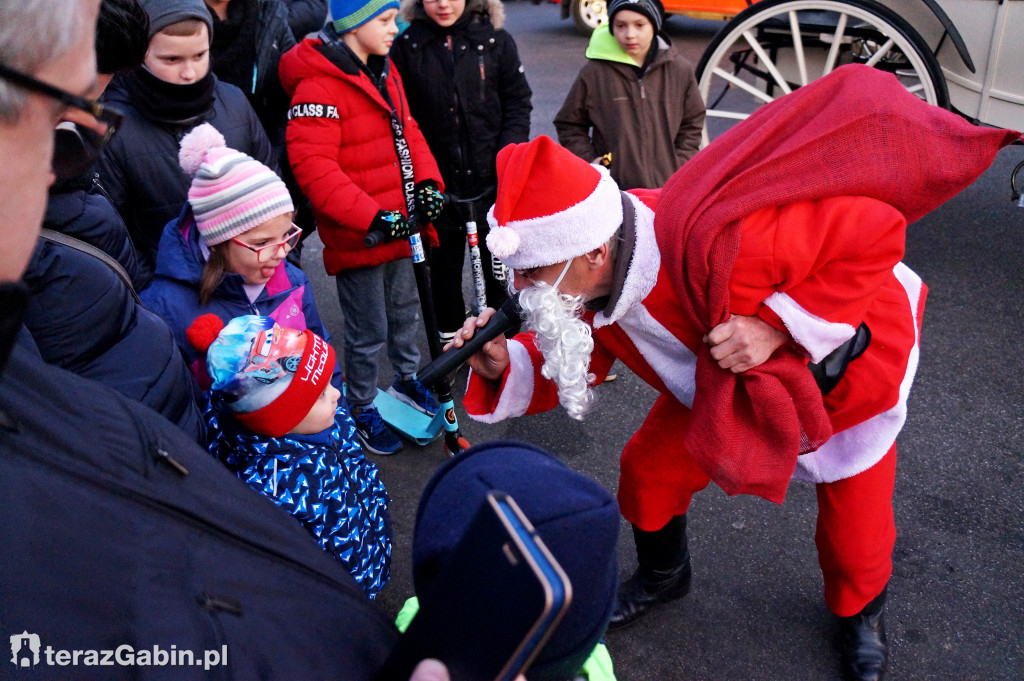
{"x": 342, "y": 150}
{"x": 83, "y": 318}
{"x": 174, "y": 294}
{"x": 140, "y": 167}
{"x": 306, "y": 16}
{"x": 470, "y": 99}
{"x": 257, "y": 66}
{"x": 324, "y": 480}
{"x": 651, "y": 124}
{"x": 119, "y": 530}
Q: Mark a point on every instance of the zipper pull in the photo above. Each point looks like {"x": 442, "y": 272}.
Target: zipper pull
{"x": 218, "y": 604}
{"x": 162, "y": 455}
{"x": 483, "y": 78}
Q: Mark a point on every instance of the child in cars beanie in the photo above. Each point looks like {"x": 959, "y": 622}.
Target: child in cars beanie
{"x": 268, "y": 376}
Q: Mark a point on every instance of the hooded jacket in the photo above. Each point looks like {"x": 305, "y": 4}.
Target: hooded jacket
{"x": 650, "y": 122}
{"x": 84, "y": 319}
{"x": 140, "y": 170}
{"x": 324, "y": 481}
{"x": 174, "y": 294}
{"x": 342, "y": 149}
{"x": 467, "y": 90}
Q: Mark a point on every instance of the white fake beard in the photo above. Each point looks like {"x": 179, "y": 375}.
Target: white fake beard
{"x": 565, "y": 341}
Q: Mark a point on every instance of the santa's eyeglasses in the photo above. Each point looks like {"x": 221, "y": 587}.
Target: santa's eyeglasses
{"x": 70, "y": 165}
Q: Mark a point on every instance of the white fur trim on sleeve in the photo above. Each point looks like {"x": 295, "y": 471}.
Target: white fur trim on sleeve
{"x": 517, "y": 392}
{"x": 675, "y": 364}
{"x": 817, "y": 336}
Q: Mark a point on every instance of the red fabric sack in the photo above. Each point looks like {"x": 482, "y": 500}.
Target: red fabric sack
{"x": 855, "y": 132}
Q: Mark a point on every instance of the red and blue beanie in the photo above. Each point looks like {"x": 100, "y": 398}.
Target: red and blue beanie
{"x": 577, "y": 518}
{"x": 267, "y": 375}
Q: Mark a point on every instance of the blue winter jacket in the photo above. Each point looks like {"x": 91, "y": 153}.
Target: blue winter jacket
{"x": 324, "y": 481}
{"x": 174, "y": 295}
{"x": 83, "y": 318}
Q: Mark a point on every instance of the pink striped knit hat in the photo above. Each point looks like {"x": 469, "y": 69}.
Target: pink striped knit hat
{"x": 231, "y": 192}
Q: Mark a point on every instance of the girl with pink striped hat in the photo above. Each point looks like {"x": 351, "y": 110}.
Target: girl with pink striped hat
{"x": 225, "y": 253}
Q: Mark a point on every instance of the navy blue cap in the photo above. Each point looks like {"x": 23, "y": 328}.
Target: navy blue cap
{"x": 577, "y": 518}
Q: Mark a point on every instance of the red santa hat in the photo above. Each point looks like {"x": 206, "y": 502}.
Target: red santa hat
{"x": 551, "y": 205}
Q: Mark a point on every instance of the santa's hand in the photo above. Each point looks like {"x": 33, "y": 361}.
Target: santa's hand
{"x": 743, "y": 343}
{"x": 491, "y": 360}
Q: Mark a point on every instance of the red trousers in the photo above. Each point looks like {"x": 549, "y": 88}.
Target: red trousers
{"x": 855, "y": 530}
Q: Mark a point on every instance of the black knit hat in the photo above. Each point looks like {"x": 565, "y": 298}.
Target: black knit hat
{"x": 577, "y": 518}
{"x": 652, "y": 9}
{"x": 163, "y": 13}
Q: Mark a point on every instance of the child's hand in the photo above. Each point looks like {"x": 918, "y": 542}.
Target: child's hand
{"x": 392, "y": 223}
{"x": 429, "y": 200}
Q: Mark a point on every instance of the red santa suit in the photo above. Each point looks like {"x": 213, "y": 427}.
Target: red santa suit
{"x": 797, "y": 216}
{"x": 803, "y": 268}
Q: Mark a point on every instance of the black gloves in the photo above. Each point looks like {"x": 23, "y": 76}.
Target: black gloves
{"x": 392, "y": 223}
{"x": 429, "y": 200}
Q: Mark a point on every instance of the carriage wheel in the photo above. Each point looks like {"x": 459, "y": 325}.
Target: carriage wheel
{"x": 588, "y": 14}
{"x": 775, "y": 46}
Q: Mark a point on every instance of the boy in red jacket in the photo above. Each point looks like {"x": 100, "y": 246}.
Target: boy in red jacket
{"x": 362, "y": 161}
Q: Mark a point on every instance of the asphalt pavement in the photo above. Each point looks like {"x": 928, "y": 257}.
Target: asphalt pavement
{"x": 756, "y": 610}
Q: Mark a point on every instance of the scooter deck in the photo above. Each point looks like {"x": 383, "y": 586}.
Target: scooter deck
{"x": 412, "y": 423}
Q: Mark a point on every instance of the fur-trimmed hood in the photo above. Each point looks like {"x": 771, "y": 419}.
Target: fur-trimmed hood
{"x": 493, "y": 9}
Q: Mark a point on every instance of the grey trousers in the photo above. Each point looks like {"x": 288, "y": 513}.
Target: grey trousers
{"x": 380, "y": 305}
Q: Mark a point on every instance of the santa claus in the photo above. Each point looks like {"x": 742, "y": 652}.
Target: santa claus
{"x": 761, "y": 293}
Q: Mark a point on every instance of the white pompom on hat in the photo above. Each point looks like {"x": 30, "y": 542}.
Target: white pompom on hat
{"x": 551, "y": 205}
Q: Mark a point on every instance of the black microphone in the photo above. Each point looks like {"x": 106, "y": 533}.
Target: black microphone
{"x": 505, "y": 318}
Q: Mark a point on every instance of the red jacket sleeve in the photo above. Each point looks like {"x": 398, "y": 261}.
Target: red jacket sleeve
{"x": 313, "y": 144}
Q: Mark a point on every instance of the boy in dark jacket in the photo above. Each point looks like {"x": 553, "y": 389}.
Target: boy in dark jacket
{"x": 275, "y": 421}
{"x": 361, "y": 159}
{"x": 81, "y": 315}
{"x": 174, "y": 92}
{"x": 645, "y": 141}
{"x": 468, "y": 92}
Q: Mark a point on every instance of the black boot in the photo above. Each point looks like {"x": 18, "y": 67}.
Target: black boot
{"x": 663, "y": 573}
{"x": 864, "y": 650}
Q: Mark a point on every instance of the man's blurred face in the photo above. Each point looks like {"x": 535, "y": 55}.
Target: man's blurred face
{"x": 26, "y": 148}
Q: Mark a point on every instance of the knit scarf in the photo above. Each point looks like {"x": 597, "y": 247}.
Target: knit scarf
{"x": 855, "y": 132}
{"x": 165, "y": 102}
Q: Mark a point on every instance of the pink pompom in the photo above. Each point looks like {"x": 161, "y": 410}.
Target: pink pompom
{"x": 503, "y": 241}
{"x": 195, "y": 144}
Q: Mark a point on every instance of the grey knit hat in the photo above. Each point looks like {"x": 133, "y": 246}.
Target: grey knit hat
{"x": 652, "y": 9}
{"x": 163, "y": 13}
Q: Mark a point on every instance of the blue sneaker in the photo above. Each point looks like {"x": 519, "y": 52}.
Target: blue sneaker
{"x": 373, "y": 433}
{"x": 413, "y": 393}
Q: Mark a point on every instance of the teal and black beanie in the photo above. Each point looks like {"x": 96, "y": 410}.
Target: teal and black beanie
{"x": 350, "y": 14}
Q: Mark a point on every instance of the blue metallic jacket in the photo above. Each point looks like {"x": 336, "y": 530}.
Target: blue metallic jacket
{"x": 324, "y": 481}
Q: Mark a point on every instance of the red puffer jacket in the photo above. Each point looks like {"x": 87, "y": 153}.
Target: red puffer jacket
{"x": 343, "y": 153}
